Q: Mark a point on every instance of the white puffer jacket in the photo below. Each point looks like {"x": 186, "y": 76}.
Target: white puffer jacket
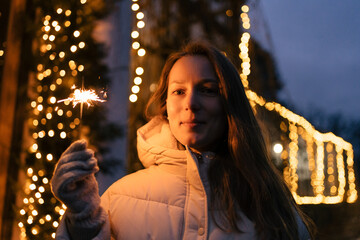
{"x": 166, "y": 200}
{"x": 169, "y": 198}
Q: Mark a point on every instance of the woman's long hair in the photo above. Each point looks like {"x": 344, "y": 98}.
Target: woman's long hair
{"x": 244, "y": 177}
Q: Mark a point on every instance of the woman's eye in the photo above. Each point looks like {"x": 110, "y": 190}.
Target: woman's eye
{"x": 178, "y": 92}
{"x": 209, "y": 91}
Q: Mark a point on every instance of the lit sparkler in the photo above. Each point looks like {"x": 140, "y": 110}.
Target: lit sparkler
{"x": 82, "y": 96}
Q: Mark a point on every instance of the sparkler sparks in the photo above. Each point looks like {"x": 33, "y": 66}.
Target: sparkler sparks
{"x": 80, "y": 95}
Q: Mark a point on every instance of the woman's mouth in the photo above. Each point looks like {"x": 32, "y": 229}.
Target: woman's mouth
{"x": 192, "y": 124}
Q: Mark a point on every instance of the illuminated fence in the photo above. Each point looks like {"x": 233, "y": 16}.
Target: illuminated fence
{"x": 332, "y": 181}
{"x": 307, "y": 154}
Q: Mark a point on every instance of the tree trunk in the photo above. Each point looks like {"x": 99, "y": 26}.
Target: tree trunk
{"x": 10, "y": 118}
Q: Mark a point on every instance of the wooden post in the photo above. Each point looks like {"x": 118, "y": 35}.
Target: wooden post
{"x": 8, "y": 101}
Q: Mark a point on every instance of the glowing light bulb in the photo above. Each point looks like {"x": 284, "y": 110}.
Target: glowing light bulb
{"x": 133, "y": 98}
{"x": 135, "y": 45}
{"x": 30, "y": 171}
{"x": 52, "y": 99}
{"x": 73, "y": 48}
{"x": 76, "y": 33}
{"x": 63, "y": 135}
{"x": 135, "y": 7}
{"x": 245, "y": 8}
{"x": 135, "y": 34}
{"x": 137, "y": 80}
{"x": 140, "y": 24}
{"x": 278, "y": 148}
{"x": 141, "y": 52}
{"x": 49, "y": 157}
{"x": 135, "y": 89}
{"x": 51, "y": 133}
{"x": 139, "y": 70}
{"x": 140, "y": 15}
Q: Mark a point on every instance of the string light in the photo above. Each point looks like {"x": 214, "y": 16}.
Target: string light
{"x": 56, "y": 44}
{"x": 244, "y": 48}
{"x": 317, "y": 169}
{"x": 298, "y": 128}
{"x": 140, "y": 51}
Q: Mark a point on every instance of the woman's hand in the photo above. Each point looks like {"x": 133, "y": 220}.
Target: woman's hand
{"x": 74, "y": 181}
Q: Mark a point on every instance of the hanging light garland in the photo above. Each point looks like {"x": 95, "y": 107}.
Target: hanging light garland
{"x": 244, "y": 47}
{"x": 328, "y": 147}
{"x": 140, "y": 51}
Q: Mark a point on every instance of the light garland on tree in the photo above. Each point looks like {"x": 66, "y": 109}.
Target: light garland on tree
{"x": 140, "y": 51}
{"x": 60, "y": 43}
{"x": 329, "y": 148}
{"x": 37, "y": 182}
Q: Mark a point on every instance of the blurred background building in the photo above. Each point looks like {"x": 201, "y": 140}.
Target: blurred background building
{"x": 117, "y": 49}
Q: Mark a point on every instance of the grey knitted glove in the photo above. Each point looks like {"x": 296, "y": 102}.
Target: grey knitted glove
{"x": 75, "y": 185}
{"x": 74, "y": 181}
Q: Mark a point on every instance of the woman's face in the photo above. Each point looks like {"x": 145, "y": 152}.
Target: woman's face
{"x": 196, "y": 115}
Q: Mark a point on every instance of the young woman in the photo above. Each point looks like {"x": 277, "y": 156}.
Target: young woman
{"x": 207, "y": 173}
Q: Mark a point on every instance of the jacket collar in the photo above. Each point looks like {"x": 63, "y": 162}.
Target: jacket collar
{"x": 156, "y": 144}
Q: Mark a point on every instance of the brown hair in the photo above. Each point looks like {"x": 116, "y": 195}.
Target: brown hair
{"x": 244, "y": 177}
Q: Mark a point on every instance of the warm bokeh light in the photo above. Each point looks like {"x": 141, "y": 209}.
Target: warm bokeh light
{"x": 138, "y": 71}
{"x": 134, "y": 34}
{"x": 137, "y": 80}
{"x": 141, "y": 52}
{"x": 135, "y": 7}
{"x": 278, "y": 148}
{"x": 133, "y": 98}
{"x": 296, "y": 127}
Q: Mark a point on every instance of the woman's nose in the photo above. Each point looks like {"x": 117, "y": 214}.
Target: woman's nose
{"x": 192, "y": 101}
